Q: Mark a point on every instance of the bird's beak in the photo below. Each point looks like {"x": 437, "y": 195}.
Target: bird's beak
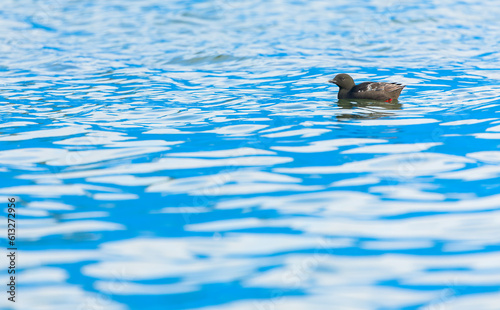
{"x": 334, "y": 81}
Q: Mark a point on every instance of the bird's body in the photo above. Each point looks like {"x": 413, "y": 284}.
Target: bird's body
{"x": 367, "y": 90}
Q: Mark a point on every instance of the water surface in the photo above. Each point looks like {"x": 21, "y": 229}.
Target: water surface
{"x": 193, "y": 156}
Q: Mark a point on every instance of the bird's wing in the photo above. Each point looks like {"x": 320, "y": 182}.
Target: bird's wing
{"x": 377, "y": 86}
{"x": 392, "y": 87}
{"x": 376, "y": 90}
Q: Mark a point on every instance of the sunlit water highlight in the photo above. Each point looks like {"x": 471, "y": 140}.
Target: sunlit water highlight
{"x": 192, "y": 155}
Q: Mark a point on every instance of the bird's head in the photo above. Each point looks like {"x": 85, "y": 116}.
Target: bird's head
{"x": 343, "y": 81}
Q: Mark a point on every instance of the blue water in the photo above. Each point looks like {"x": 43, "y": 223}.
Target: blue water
{"x": 191, "y": 155}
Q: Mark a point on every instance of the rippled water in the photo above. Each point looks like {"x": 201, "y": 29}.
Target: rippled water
{"x": 193, "y": 156}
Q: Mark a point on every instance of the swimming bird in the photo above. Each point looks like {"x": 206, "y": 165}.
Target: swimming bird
{"x": 367, "y": 90}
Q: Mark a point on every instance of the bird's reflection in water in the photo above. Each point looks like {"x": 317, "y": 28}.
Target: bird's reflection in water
{"x": 366, "y": 109}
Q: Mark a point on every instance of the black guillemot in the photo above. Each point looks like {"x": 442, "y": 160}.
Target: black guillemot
{"x": 367, "y": 90}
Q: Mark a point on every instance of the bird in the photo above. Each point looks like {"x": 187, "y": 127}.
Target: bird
{"x": 367, "y": 90}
